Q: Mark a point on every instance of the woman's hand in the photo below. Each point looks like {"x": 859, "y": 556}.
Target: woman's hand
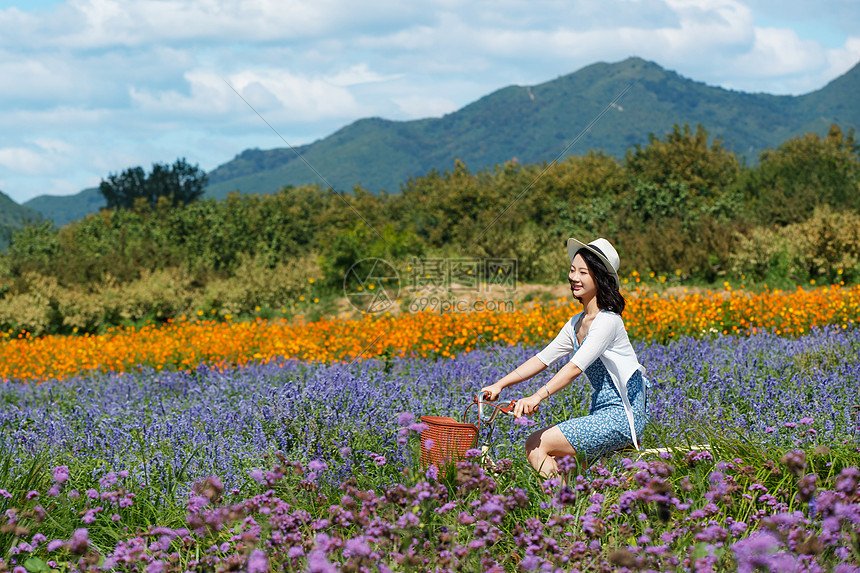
{"x": 527, "y": 406}
{"x": 491, "y": 393}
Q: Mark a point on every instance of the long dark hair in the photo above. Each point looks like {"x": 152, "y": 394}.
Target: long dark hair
{"x": 608, "y": 296}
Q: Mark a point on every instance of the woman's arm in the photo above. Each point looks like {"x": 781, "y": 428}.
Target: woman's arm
{"x": 524, "y": 371}
{"x": 567, "y": 374}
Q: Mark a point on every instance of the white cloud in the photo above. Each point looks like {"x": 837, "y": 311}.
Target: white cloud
{"x": 21, "y": 160}
{"x": 42, "y": 156}
{"x": 94, "y": 24}
{"x": 779, "y": 52}
{"x": 54, "y": 146}
{"x": 21, "y": 124}
{"x": 101, "y": 85}
{"x": 358, "y": 74}
{"x": 296, "y": 97}
{"x": 842, "y": 59}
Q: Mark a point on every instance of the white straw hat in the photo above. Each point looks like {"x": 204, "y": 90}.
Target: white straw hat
{"x": 603, "y": 249}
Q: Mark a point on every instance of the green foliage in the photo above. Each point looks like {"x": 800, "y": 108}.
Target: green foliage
{"x": 361, "y": 245}
{"x": 33, "y": 247}
{"x": 826, "y": 248}
{"x": 685, "y": 158}
{"x": 803, "y": 173}
{"x": 179, "y": 183}
{"x": 38, "y": 304}
{"x": 681, "y": 206}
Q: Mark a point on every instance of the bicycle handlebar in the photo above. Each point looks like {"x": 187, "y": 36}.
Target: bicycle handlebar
{"x": 506, "y": 408}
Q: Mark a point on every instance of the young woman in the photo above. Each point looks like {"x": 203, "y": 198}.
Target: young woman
{"x": 600, "y": 346}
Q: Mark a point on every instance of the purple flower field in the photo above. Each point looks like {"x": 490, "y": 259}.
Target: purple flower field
{"x": 222, "y": 423}
{"x": 312, "y": 467}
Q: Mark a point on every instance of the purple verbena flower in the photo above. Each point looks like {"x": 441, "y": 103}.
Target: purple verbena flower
{"x": 357, "y": 546}
{"x": 61, "y": 474}
{"x": 257, "y": 562}
{"x": 79, "y": 542}
{"x": 317, "y": 466}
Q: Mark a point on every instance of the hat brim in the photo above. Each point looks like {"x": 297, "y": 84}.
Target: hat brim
{"x": 574, "y": 246}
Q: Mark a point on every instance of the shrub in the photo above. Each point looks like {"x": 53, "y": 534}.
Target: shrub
{"x": 31, "y": 305}
{"x": 827, "y": 245}
{"x": 39, "y": 305}
{"x": 255, "y": 284}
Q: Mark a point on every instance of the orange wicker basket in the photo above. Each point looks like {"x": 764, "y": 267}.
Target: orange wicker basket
{"x": 450, "y": 440}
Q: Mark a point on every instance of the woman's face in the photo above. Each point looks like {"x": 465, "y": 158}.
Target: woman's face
{"x": 580, "y": 279}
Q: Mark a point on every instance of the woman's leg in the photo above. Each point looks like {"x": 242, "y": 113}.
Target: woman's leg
{"x": 543, "y": 446}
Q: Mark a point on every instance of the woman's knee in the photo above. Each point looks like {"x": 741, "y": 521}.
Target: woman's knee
{"x": 533, "y": 442}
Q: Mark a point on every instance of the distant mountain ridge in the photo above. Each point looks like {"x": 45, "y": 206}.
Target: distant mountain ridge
{"x": 536, "y": 123}
{"x": 569, "y": 115}
{"x": 13, "y": 215}
{"x": 67, "y": 208}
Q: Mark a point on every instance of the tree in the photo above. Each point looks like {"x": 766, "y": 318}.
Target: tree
{"x": 803, "y": 173}
{"x": 685, "y": 157}
{"x": 180, "y": 183}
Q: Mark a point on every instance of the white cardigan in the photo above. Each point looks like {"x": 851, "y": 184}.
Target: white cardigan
{"x": 607, "y": 340}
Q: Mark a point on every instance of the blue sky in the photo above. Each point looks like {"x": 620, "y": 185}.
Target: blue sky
{"x": 92, "y": 87}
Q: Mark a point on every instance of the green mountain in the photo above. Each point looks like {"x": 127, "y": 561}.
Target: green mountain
{"x": 68, "y": 208}
{"x": 13, "y": 216}
{"x": 608, "y": 107}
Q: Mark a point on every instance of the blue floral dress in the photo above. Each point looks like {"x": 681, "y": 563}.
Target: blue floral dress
{"x": 606, "y": 427}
